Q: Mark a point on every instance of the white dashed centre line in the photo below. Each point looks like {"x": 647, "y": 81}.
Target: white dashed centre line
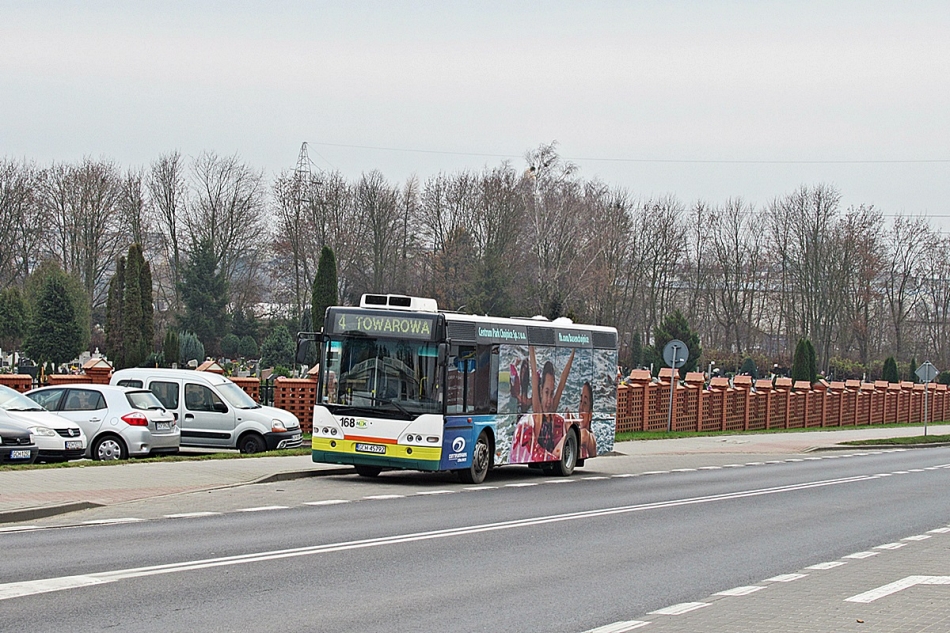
{"x": 262, "y": 509}
{"x": 919, "y": 537}
{"x": 326, "y": 502}
{"x": 522, "y": 485}
{"x": 191, "y": 515}
{"x": 680, "y": 609}
{"x": 785, "y": 577}
{"x": 891, "y": 546}
{"x": 828, "y": 565}
{"x": 435, "y": 492}
{"x": 860, "y": 555}
{"x": 740, "y": 591}
{"x": 111, "y": 521}
{"x": 382, "y": 497}
{"x": 618, "y": 627}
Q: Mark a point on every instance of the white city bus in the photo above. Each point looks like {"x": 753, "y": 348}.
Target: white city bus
{"x": 403, "y": 385}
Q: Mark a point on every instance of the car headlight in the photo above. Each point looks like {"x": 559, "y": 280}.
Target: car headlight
{"x": 277, "y": 426}
{"x": 43, "y": 431}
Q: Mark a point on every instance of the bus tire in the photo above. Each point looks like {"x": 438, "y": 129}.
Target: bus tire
{"x": 368, "y": 471}
{"x": 481, "y": 462}
{"x": 565, "y": 467}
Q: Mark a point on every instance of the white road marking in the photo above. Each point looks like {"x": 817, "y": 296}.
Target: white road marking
{"x": 521, "y": 485}
{"x": 481, "y": 488}
{"x": 860, "y": 555}
{"x": 435, "y": 492}
{"x": 828, "y": 565}
{"x": 594, "y": 478}
{"x": 262, "y": 509}
{"x": 916, "y": 470}
{"x": 683, "y": 470}
{"x": 710, "y": 467}
{"x": 891, "y": 546}
{"x": 382, "y": 497}
{"x": 813, "y": 459}
{"x": 30, "y": 587}
{"x": 775, "y": 461}
{"x": 919, "y": 537}
{"x": 656, "y": 472}
{"x": 740, "y": 591}
{"x": 733, "y": 465}
{"x": 680, "y": 609}
{"x": 900, "y": 585}
{"x": 625, "y": 475}
{"x": 190, "y": 515}
{"x": 19, "y": 528}
{"x": 755, "y": 464}
{"x": 882, "y": 475}
{"x": 326, "y": 502}
{"x": 942, "y": 530}
{"x": 567, "y": 481}
{"x": 618, "y": 627}
{"x": 112, "y": 521}
{"x": 900, "y": 472}
{"x": 795, "y": 460}
{"x": 785, "y": 577}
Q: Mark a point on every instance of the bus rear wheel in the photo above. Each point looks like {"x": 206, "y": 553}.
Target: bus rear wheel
{"x": 481, "y": 460}
{"x": 368, "y": 471}
{"x": 565, "y": 467}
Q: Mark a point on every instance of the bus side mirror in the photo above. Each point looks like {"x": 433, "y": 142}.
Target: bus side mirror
{"x": 303, "y": 351}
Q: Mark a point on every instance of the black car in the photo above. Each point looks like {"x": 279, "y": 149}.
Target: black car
{"x": 16, "y": 446}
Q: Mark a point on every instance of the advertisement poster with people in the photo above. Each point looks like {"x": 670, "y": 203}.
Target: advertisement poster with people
{"x": 545, "y": 391}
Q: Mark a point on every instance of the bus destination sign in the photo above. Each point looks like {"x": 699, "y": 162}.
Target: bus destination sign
{"x": 387, "y": 325}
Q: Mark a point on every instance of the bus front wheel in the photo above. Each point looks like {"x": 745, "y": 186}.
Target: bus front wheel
{"x": 481, "y": 460}
{"x": 565, "y": 467}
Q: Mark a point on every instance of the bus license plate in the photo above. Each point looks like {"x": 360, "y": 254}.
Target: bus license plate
{"x": 19, "y": 454}
{"x": 71, "y": 446}
{"x": 379, "y": 449}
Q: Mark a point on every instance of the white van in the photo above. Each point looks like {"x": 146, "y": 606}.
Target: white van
{"x": 213, "y": 412}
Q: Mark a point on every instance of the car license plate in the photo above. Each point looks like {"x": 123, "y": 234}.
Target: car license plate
{"x": 71, "y": 446}
{"x": 295, "y": 437}
{"x": 19, "y": 454}
{"x": 379, "y": 449}
{"x": 163, "y": 426}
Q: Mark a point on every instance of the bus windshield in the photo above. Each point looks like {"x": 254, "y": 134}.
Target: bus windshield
{"x": 382, "y": 374}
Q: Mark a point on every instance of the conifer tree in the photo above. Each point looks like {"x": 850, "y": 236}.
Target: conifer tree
{"x": 324, "y": 288}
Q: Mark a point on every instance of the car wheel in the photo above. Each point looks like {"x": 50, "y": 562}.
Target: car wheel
{"x": 109, "y": 448}
{"x": 565, "y": 467}
{"x": 481, "y": 461}
{"x": 368, "y": 471}
{"x": 251, "y": 443}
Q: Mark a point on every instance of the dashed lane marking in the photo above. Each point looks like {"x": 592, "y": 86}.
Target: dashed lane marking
{"x": 435, "y": 492}
{"x": 740, "y": 591}
{"x": 891, "y": 546}
{"x": 19, "y": 528}
{"x": 262, "y": 509}
{"x": 919, "y": 537}
{"x": 326, "y": 502}
{"x": 828, "y": 565}
{"x": 522, "y": 485}
{"x": 191, "y": 515}
{"x": 112, "y": 521}
{"x": 680, "y": 609}
{"x": 785, "y": 577}
{"x": 476, "y": 488}
{"x": 618, "y": 627}
{"x": 382, "y": 497}
{"x": 860, "y": 555}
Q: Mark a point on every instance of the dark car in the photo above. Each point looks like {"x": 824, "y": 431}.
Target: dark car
{"x": 16, "y": 446}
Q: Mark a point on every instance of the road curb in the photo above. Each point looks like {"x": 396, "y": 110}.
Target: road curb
{"x": 300, "y": 474}
{"x": 41, "y": 512}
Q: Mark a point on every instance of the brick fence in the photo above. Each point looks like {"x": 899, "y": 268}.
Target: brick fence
{"x": 747, "y": 405}
{"x": 643, "y": 405}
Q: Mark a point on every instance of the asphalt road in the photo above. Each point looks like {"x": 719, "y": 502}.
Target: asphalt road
{"x": 523, "y": 553}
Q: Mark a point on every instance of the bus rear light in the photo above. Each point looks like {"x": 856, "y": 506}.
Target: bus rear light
{"x": 432, "y": 439}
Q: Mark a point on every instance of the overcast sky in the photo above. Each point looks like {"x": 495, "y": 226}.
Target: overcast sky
{"x": 706, "y": 100}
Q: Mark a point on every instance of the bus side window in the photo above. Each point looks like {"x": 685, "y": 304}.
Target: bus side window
{"x": 486, "y": 379}
{"x": 460, "y": 380}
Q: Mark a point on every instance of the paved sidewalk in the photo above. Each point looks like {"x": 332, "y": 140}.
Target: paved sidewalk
{"x": 29, "y": 494}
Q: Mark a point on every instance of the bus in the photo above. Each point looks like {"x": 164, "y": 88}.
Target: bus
{"x": 403, "y": 385}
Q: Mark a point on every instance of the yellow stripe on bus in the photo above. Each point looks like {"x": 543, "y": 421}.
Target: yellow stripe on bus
{"x": 428, "y": 453}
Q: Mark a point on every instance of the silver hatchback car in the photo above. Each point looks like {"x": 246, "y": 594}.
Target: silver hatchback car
{"x": 119, "y": 422}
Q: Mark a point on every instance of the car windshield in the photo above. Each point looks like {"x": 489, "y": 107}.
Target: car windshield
{"x": 382, "y": 374}
{"x": 11, "y": 400}
{"x": 144, "y": 400}
{"x": 236, "y": 396}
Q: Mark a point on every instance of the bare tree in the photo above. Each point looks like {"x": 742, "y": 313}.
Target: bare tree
{"x": 168, "y": 191}
{"x": 907, "y": 242}
{"x": 17, "y": 231}
{"x": 133, "y": 207}
{"x": 228, "y": 212}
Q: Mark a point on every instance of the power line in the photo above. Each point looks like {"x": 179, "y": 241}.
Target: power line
{"x": 685, "y": 161}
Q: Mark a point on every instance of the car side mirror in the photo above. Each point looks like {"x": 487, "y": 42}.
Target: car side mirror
{"x": 220, "y": 407}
